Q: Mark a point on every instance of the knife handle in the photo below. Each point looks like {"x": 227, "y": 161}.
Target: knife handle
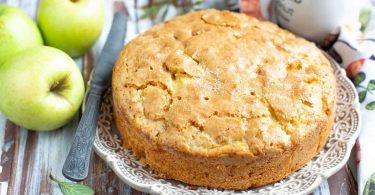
{"x": 76, "y": 166}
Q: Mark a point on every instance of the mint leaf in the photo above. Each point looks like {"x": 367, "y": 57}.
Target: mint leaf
{"x": 359, "y": 78}
{"x": 370, "y": 185}
{"x": 371, "y": 106}
{"x": 75, "y": 189}
{"x": 362, "y": 96}
{"x": 371, "y": 85}
{"x": 68, "y": 188}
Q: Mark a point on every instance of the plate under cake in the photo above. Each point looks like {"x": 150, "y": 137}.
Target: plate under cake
{"x": 219, "y": 99}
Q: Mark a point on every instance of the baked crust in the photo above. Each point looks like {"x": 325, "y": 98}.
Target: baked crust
{"x": 219, "y": 99}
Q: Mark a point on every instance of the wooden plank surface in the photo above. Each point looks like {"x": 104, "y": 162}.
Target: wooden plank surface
{"x": 27, "y": 157}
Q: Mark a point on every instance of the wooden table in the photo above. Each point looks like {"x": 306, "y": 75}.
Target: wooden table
{"x": 27, "y": 157}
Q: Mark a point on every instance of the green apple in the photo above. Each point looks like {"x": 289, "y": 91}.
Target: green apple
{"x": 40, "y": 88}
{"x": 17, "y": 32}
{"x": 71, "y": 25}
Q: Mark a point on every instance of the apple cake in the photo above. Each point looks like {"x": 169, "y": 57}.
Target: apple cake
{"x": 223, "y": 100}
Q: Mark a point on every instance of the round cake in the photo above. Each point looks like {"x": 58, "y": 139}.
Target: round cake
{"x": 220, "y": 99}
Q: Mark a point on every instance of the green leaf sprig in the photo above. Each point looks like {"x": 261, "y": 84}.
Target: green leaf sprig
{"x": 162, "y": 6}
{"x": 366, "y": 90}
{"x": 68, "y": 188}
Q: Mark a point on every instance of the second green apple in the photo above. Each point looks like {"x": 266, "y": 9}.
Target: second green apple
{"x": 17, "y": 32}
{"x": 71, "y": 25}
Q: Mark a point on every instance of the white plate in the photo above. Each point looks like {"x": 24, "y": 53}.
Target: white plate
{"x": 331, "y": 159}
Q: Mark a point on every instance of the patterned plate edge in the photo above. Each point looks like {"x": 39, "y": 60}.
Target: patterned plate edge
{"x": 350, "y": 143}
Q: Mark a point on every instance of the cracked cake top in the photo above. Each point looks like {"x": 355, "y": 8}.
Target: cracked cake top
{"x": 216, "y": 82}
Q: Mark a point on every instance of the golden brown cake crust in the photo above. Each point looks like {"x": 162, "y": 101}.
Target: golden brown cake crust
{"x": 220, "y": 99}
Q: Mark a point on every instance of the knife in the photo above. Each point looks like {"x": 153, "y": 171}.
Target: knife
{"x": 77, "y": 163}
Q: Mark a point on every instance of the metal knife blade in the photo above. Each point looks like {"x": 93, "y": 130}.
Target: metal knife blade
{"x": 77, "y": 163}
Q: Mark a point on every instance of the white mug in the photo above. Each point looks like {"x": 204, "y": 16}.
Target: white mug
{"x": 314, "y": 19}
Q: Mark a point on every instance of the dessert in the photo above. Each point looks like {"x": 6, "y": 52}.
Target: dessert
{"x": 220, "y": 99}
